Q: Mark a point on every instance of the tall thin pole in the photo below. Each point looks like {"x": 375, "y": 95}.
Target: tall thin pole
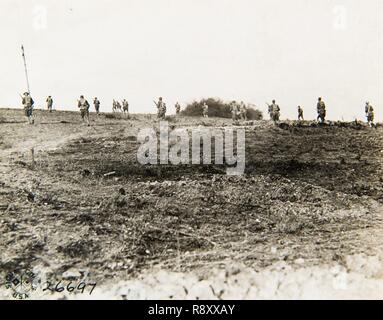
{"x": 25, "y": 67}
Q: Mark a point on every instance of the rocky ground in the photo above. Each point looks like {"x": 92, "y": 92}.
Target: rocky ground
{"x": 304, "y": 221}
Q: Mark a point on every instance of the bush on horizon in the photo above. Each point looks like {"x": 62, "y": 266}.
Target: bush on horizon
{"x": 218, "y": 108}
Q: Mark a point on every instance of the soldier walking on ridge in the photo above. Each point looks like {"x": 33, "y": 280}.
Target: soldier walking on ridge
{"x": 97, "y": 103}
{"x": 205, "y": 110}
{"x": 274, "y": 111}
{"x": 28, "y": 103}
{"x": 321, "y": 109}
{"x": 243, "y": 111}
{"x": 300, "y": 113}
{"x": 125, "y": 106}
{"x": 369, "y": 109}
{"x": 83, "y": 105}
{"x": 234, "y": 111}
{"x": 49, "y": 103}
{"x": 161, "y": 108}
{"x": 178, "y": 108}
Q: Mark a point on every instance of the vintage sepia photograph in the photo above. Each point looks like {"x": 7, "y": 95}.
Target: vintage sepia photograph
{"x": 179, "y": 150}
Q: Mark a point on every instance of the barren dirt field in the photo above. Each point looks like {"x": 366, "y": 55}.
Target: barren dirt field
{"x": 304, "y": 221}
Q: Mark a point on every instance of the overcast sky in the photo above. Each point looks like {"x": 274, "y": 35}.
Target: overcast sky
{"x": 251, "y": 50}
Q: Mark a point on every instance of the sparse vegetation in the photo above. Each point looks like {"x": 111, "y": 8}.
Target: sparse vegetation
{"x": 88, "y": 205}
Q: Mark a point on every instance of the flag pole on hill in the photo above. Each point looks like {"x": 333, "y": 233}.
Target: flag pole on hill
{"x": 25, "y": 68}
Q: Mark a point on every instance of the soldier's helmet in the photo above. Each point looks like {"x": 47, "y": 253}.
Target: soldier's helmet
{"x": 160, "y": 98}
{"x": 273, "y": 101}
{"x": 81, "y": 97}
{"x": 319, "y": 99}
